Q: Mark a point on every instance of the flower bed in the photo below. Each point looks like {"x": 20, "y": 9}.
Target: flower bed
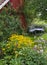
{"x": 19, "y": 50}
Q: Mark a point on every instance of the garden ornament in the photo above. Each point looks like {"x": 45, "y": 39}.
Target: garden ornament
{"x": 36, "y": 29}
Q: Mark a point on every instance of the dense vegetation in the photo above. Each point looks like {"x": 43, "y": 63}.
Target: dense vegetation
{"x": 18, "y": 46}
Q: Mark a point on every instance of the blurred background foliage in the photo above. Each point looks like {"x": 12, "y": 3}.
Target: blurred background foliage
{"x": 35, "y": 8}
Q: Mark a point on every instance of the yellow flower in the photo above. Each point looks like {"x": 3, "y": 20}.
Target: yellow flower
{"x": 19, "y": 45}
{"x": 3, "y": 49}
{"x": 19, "y": 40}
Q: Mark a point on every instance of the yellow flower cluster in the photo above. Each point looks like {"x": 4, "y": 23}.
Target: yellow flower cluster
{"x": 20, "y": 40}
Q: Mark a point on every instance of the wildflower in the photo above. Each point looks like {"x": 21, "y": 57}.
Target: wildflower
{"x": 20, "y": 40}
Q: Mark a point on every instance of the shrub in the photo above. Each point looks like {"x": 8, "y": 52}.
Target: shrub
{"x": 9, "y": 23}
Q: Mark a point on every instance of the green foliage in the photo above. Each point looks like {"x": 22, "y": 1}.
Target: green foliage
{"x": 35, "y": 8}
{"x": 21, "y": 56}
{"x": 27, "y": 56}
{"x": 15, "y": 62}
{"x": 44, "y": 36}
{"x": 37, "y": 21}
{"x": 9, "y": 23}
{"x": 2, "y": 62}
